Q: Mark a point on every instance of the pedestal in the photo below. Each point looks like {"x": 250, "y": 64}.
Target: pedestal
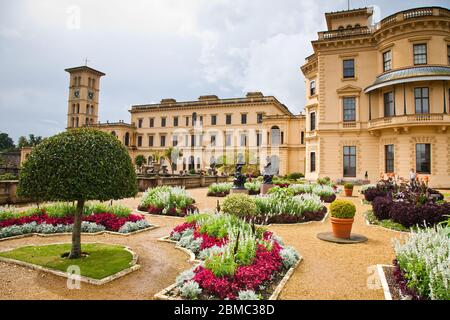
{"x": 265, "y": 188}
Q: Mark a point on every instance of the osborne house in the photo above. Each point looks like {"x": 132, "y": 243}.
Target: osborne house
{"x": 377, "y": 102}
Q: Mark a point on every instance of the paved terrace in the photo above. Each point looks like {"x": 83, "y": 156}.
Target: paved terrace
{"x": 328, "y": 271}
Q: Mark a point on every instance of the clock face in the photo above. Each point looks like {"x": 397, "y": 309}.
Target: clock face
{"x": 90, "y": 95}
{"x": 76, "y": 93}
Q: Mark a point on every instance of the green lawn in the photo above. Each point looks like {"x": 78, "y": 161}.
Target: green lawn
{"x": 103, "y": 259}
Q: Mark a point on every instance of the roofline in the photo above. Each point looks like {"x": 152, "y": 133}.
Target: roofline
{"x": 209, "y": 103}
{"x": 83, "y": 68}
{"x": 405, "y": 80}
{"x": 364, "y": 10}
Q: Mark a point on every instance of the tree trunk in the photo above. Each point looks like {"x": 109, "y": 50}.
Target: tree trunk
{"x": 75, "y": 252}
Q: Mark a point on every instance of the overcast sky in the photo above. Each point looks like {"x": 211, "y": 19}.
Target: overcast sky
{"x": 155, "y": 49}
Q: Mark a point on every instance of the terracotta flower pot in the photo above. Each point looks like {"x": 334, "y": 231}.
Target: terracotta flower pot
{"x": 342, "y": 228}
{"x": 348, "y": 192}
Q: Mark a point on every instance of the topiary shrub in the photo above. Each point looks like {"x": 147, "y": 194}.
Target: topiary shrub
{"x": 78, "y": 165}
{"x": 342, "y": 209}
{"x": 239, "y": 205}
{"x": 381, "y": 207}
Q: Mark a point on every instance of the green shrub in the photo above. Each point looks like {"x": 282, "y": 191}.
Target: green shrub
{"x": 343, "y": 209}
{"x": 348, "y": 185}
{"x": 60, "y": 209}
{"x": 239, "y": 205}
{"x": 8, "y": 176}
{"x": 253, "y": 186}
{"x": 295, "y": 175}
{"x": 324, "y": 181}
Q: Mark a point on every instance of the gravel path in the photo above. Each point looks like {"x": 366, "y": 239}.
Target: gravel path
{"x": 328, "y": 271}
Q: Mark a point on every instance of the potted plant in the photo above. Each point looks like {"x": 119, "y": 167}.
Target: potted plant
{"x": 348, "y": 189}
{"x": 342, "y": 216}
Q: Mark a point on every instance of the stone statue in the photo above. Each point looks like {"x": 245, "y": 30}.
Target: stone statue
{"x": 268, "y": 172}
{"x": 239, "y": 178}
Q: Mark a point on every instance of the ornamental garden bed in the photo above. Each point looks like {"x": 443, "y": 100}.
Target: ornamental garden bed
{"x": 421, "y": 269}
{"x": 219, "y": 189}
{"x": 101, "y": 263}
{"x": 280, "y": 205}
{"x": 403, "y": 206}
{"x": 327, "y": 193}
{"x": 58, "y": 219}
{"x": 239, "y": 260}
{"x": 167, "y": 201}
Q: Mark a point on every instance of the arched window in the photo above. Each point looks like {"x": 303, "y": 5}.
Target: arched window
{"x": 341, "y": 28}
{"x": 73, "y": 122}
{"x": 357, "y": 25}
{"x": 92, "y": 109}
{"x": 78, "y": 108}
{"x": 114, "y": 133}
{"x": 275, "y": 133}
{"x": 73, "y": 108}
{"x": 77, "y": 121}
{"x": 127, "y": 139}
{"x": 87, "y": 121}
{"x": 349, "y": 26}
{"x": 92, "y": 120}
{"x": 194, "y": 118}
{"x": 191, "y": 163}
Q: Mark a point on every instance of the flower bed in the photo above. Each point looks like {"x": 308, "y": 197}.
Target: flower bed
{"x": 253, "y": 187}
{"x": 408, "y": 206}
{"x": 422, "y": 264}
{"x": 58, "y": 218}
{"x": 219, "y": 189}
{"x": 326, "y": 192}
{"x": 170, "y": 201}
{"x": 241, "y": 261}
{"x": 280, "y": 205}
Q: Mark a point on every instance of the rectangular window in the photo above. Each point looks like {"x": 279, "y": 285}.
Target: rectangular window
{"x": 312, "y": 121}
{"x": 163, "y": 122}
{"x": 421, "y": 100}
{"x": 389, "y": 104}
{"x": 258, "y": 139}
{"x": 387, "y": 60}
{"x": 423, "y": 158}
{"x": 349, "y": 108}
{"x": 420, "y": 53}
{"x": 302, "y": 137}
{"x": 259, "y": 117}
{"x": 243, "y": 140}
{"x": 213, "y": 140}
{"x": 228, "y": 139}
{"x": 243, "y": 118}
{"x": 389, "y": 158}
{"x": 228, "y": 119}
{"x": 175, "y": 121}
{"x": 349, "y": 161}
{"x": 152, "y": 122}
{"x": 140, "y": 123}
{"x": 213, "y": 120}
{"x": 163, "y": 141}
{"x": 201, "y": 120}
{"x": 312, "y": 88}
{"x": 312, "y": 160}
{"x": 349, "y": 68}
{"x": 150, "y": 141}
{"x": 139, "y": 142}
{"x": 192, "y": 140}
{"x": 187, "y": 121}
{"x": 174, "y": 141}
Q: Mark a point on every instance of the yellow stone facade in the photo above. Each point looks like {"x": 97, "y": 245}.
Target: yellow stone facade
{"x": 377, "y": 102}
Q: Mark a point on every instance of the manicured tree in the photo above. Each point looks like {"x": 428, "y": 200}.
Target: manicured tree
{"x": 78, "y": 165}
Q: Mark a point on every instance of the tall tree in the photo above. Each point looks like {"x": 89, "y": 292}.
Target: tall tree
{"x": 78, "y": 165}
{"x": 6, "y": 143}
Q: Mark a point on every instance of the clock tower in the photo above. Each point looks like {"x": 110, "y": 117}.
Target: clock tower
{"x": 83, "y": 100}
